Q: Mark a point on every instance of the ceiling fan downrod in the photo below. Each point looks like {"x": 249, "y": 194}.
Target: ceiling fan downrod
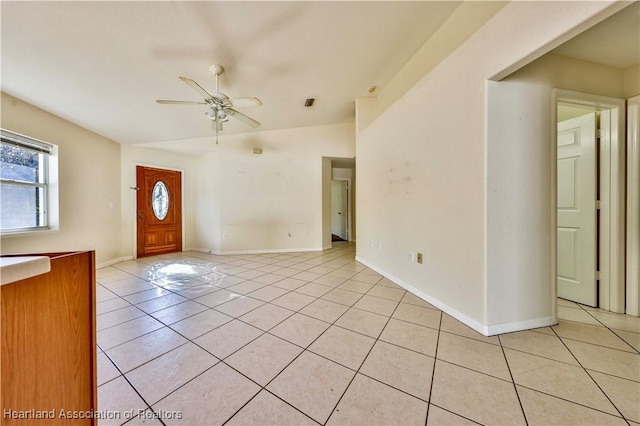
{"x": 217, "y": 70}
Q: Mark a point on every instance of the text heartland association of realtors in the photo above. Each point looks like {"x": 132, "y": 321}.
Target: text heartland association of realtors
{"x": 90, "y": 414}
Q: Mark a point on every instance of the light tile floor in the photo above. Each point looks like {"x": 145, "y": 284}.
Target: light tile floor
{"x": 308, "y": 338}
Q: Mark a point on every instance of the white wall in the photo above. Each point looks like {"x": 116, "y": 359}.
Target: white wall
{"x": 89, "y": 180}
{"x": 207, "y": 181}
{"x": 519, "y": 184}
{"x": 423, "y": 168}
{"x": 272, "y": 201}
{"x": 131, "y": 156}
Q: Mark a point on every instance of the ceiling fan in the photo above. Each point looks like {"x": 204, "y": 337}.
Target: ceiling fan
{"x": 221, "y": 107}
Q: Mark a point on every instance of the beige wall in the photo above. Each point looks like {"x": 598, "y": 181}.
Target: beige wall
{"x": 632, "y": 81}
{"x": 463, "y": 22}
{"x": 423, "y": 166}
{"x": 572, "y": 74}
{"x": 272, "y": 201}
{"x": 89, "y": 180}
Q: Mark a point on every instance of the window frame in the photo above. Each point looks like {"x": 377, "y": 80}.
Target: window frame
{"x": 47, "y": 150}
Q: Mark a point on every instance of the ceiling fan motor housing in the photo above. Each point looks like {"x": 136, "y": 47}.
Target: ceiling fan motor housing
{"x": 216, "y": 69}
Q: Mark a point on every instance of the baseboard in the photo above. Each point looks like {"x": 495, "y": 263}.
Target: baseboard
{"x": 327, "y": 247}
{"x": 511, "y": 327}
{"x": 232, "y": 252}
{"x": 469, "y": 322}
{"x": 113, "y": 261}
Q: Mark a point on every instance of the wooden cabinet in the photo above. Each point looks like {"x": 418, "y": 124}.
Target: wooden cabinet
{"x": 48, "y": 344}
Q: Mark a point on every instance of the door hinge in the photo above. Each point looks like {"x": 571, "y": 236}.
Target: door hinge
{"x": 598, "y": 205}
{"x": 600, "y": 133}
{"x": 597, "y": 275}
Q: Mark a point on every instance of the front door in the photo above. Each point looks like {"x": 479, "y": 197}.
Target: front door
{"x": 158, "y": 211}
{"x": 576, "y": 238}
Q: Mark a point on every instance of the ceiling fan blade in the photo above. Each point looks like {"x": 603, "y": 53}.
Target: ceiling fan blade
{"x": 195, "y": 86}
{"x": 245, "y": 102}
{"x": 242, "y": 117}
{"x": 165, "y": 101}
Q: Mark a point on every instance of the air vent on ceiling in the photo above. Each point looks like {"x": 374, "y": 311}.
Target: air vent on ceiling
{"x": 309, "y": 102}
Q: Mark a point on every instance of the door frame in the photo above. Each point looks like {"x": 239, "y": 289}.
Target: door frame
{"x": 134, "y": 209}
{"x": 633, "y": 206}
{"x": 612, "y": 180}
{"x": 348, "y": 205}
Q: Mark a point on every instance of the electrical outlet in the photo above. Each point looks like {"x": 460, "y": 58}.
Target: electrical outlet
{"x": 225, "y": 236}
{"x": 380, "y": 245}
{"x": 419, "y": 258}
{"x": 412, "y": 256}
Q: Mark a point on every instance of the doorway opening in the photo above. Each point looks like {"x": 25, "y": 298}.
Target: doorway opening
{"x": 590, "y": 199}
{"x": 338, "y": 200}
{"x": 340, "y": 208}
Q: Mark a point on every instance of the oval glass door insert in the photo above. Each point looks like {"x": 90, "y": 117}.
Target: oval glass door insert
{"x": 160, "y": 200}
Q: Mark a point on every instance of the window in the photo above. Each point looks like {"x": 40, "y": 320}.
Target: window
{"x": 24, "y": 175}
{"x": 160, "y": 200}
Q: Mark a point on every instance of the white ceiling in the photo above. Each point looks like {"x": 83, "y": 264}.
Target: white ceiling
{"x": 103, "y": 64}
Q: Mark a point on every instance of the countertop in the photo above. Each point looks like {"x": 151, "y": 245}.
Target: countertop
{"x": 21, "y": 267}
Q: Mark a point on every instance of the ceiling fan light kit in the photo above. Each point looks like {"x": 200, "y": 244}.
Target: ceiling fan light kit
{"x": 220, "y": 105}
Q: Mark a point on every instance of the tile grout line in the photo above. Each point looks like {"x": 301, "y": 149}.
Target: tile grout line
{"x": 591, "y": 377}
{"x": 570, "y": 401}
{"x": 515, "y": 388}
{"x": 611, "y": 330}
{"x": 132, "y": 387}
{"x": 540, "y": 356}
{"x": 452, "y": 412}
{"x": 599, "y": 345}
{"x": 363, "y": 360}
{"x": 433, "y": 373}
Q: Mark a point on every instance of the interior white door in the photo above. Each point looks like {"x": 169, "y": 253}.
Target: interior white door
{"x": 339, "y": 208}
{"x": 577, "y": 216}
